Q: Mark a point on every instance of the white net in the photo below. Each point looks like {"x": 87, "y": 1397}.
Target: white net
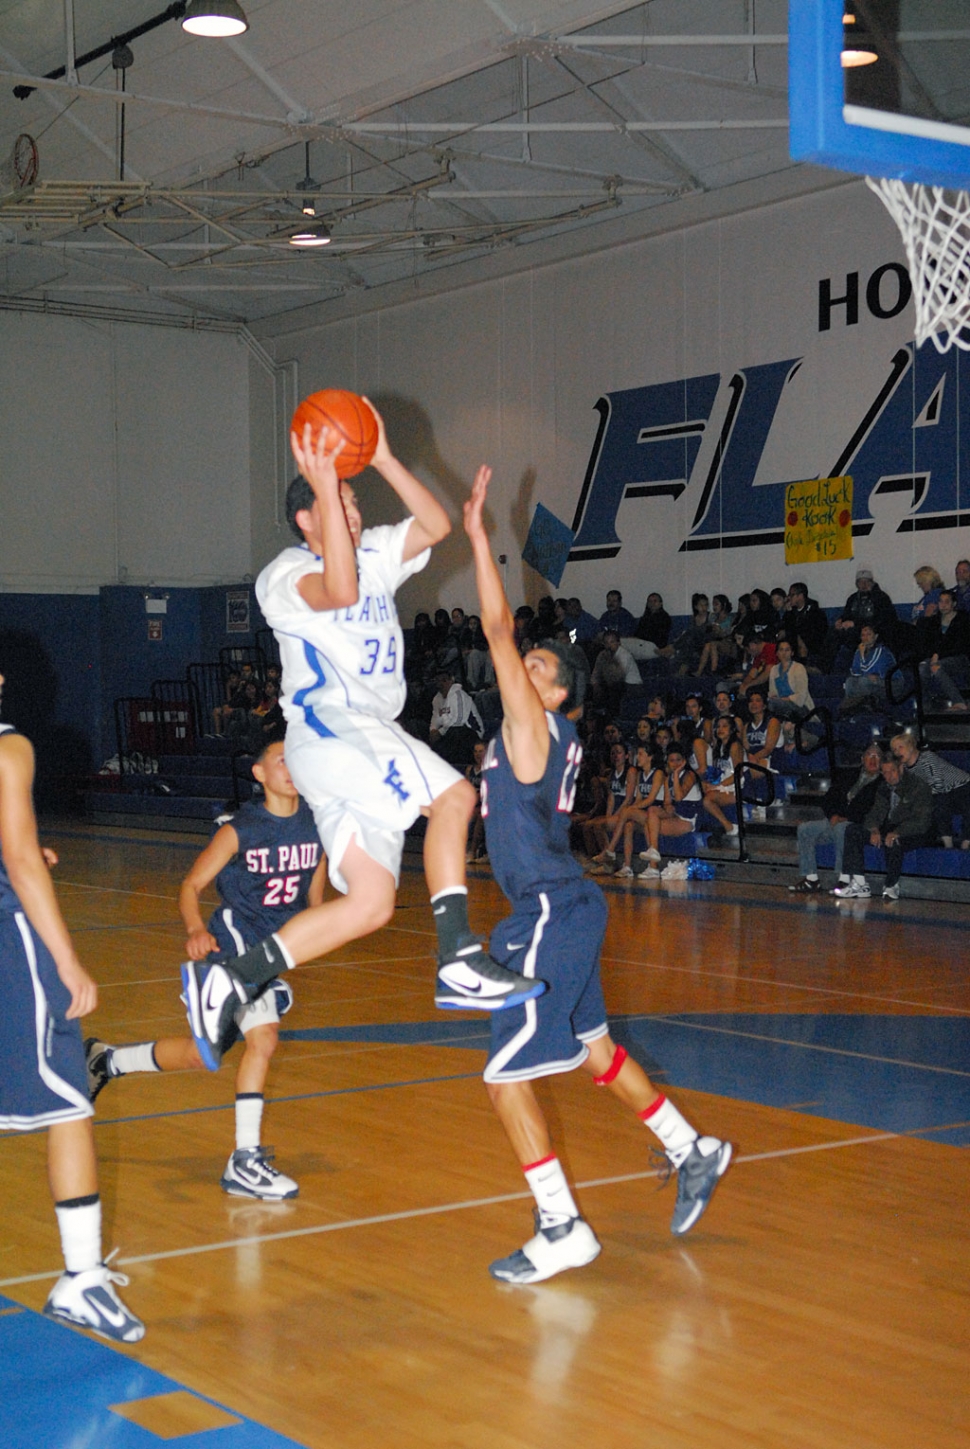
{"x": 935, "y": 226}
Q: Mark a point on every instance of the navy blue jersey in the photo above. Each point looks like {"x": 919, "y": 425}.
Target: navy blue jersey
{"x": 527, "y": 826}
{"x": 267, "y": 880}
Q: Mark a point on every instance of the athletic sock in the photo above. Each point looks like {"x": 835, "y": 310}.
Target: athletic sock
{"x": 812, "y": 876}
{"x": 858, "y": 880}
{"x": 673, "y": 1129}
{"x": 450, "y": 909}
{"x": 551, "y": 1191}
{"x": 79, "y": 1221}
{"x": 139, "y": 1058}
{"x": 249, "y": 1119}
{"x": 262, "y": 963}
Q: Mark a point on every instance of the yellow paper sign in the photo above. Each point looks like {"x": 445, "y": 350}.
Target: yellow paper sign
{"x": 818, "y": 520}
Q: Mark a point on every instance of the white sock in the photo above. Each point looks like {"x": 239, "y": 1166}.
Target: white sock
{"x": 812, "y": 876}
{"x": 140, "y": 1058}
{"x": 673, "y": 1129}
{"x": 858, "y": 880}
{"x": 551, "y": 1192}
{"x": 79, "y": 1221}
{"x": 290, "y": 963}
{"x": 249, "y": 1119}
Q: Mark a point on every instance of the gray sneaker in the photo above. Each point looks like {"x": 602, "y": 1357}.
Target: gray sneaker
{"x": 697, "y": 1177}
{"x": 97, "y": 1057}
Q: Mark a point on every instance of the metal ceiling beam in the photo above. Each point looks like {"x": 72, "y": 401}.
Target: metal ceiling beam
{"x": 121, "y": 98}
{"x": 395, "y": 128}
{"x": 653, "y": 40}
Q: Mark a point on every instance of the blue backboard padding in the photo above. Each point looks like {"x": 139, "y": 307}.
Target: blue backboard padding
{"x": 817, "y": 130}
{"x": 56, "y": 1385}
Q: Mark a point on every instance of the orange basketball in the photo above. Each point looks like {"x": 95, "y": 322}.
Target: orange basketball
{"x": 345, "y": 416}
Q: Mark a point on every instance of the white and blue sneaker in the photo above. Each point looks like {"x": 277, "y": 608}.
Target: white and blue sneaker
{"x": 89, "y": 1300}
{"x": 212, "y": 996}
{"x": 250, "y": 1173}
{"x": 470, "y": 980}
{"x": 97, "y": 1058}
{"x": 697, "y": 1176}
{"x": 571, "y": 1244}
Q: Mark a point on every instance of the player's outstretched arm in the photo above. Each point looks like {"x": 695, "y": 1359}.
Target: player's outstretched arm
{"x": 429, "y": 521}
{"x": 217, "y": 854}
{"x": 524, "y": 726}
{"x": 29, "y": 875}
{"x": 336, "y": 586}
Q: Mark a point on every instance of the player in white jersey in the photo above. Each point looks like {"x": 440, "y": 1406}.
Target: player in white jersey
{"x": 330, "y": 602}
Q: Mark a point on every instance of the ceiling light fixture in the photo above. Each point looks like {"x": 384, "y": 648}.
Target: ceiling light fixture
{"x": 219, "y": 18}
{"x": 312, "y": 236}
{"x": 309, "y": 203}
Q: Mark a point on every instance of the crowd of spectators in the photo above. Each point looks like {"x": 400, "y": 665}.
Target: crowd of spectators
{"x": 250, "y": 716}
{"x": 673, "y": 769}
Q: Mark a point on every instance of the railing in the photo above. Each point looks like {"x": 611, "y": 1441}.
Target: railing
{"x": 823, "y": 715}
{"x": 178, "y": 717}
{"x": 266, "y": 641}
{"x": 741, "y": 799}
{"x": 233, "y": 656}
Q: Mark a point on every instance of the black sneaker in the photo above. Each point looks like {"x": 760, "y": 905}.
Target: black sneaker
{"x": 97, "y": 1057}
{"x": 806, "y": 887}
{"x": 697, "y": 1177}
{"x": 213, "y": 995}
{"x": 471, "y": 980}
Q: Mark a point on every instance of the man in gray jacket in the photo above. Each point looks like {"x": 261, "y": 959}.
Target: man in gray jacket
{"x": 901, "y": 819}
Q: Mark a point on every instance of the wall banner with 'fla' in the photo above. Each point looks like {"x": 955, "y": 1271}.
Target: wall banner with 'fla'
{"x": 818, "y": 520}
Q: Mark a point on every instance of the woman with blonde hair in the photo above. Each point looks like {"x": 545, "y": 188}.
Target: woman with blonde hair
{"x": 930, "y": 582}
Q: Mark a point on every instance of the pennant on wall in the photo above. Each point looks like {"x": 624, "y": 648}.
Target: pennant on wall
{"x": 818, "y": 520}
{"x": 548, "y": 544}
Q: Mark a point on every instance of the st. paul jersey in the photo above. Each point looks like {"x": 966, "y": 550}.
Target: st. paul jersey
{"x": 341, "y": 659}
{"x": 267, "y": 880}
{"x": 527, "y": 826}
{"x": 9, "y": 901}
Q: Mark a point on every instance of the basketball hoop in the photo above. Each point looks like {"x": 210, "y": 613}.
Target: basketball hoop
{"x": 935, "y": 227}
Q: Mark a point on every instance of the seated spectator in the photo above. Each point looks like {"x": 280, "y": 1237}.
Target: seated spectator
{"x": 726, "y": 758}
{"x": 868, "y": 605}
{"x": 778, "y": 599}
{"x": 930, "y": 585}
{"x": 620, "y": 620}
{"x": 756, "y": 663}
{"x": 762, "y": 732}
{"x": 476, "y": 828}
{"x": 961, "y": 589}
{"x": 233, "y": 699}
{"x": 788, "y": 695}
{"x": 721, "y": 647}
{"x": 724, "y": 705}
{"x": 614, "y": 669}
{"x": 590, "y": 801}
{"x": 759, "y": 621}
{"x": 693, "y": 732}
{"x": 805, "y": 627}
{"x": 944, "y": 644}
{"x": 686, "y": 650}
{"x": 267, "y": 720}
{"x": 457, "y": 621}
{"x": 676, "y": 811}
{"x": 522, "y": 625}
{"x": 545, "y": 625}
{"x": 865, "y": 686}
{"x": 949, "y": 785}
{"x": 597, "y": 831}
{"x": 653, "y": 627}
{"x": 455, "y": 722}
{"x": 643, "y": 732}
{"x": 848, "y": 800}
{"x": 447, "y": 654}
{"x": 647, "y": 781}
{"x": 476, "y": 663}
{"x": 240, "y": 729}
{"x": 657, "y": 711}
{"x": 581, "y": 627}
{"x": 900, "y": 819}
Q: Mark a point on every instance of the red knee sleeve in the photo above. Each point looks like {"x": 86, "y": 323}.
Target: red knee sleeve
{"x": 613, "y": 1070}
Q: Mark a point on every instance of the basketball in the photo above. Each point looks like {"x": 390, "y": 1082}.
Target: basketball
{"x": 345, "y": 416}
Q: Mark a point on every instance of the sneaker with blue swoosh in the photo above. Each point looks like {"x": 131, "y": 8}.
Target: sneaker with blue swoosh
{"x": 212, "y": 995}
{"x": 89, "y": 1300}
{"x": 470, "y": 980}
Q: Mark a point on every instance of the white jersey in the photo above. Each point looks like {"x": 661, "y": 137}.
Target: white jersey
{"x": 341, "y": 659}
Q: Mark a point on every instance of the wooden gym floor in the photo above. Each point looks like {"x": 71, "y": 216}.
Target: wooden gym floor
{"x": 822, "y": 1301}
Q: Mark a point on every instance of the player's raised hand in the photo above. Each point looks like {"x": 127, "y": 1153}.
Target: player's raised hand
{"x": 314, "y": 459}
{"x": 474, "y": 522}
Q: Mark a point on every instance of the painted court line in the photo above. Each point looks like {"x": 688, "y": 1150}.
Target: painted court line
{"x": 409, "y": 1214}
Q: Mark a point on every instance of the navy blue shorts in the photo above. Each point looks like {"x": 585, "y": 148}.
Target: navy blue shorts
{"x": 44, "y": 1078}
{"x": 559, "y": 941}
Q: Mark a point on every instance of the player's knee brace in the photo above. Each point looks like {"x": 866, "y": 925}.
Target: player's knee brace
{"x": 613, "y": 1070}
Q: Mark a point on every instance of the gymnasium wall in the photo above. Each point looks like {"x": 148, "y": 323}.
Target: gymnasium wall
{"x": 656, "y": 398}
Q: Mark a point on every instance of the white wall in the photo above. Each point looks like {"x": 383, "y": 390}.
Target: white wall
{"x": 509, "y": 372}
{"x": 122, "y": 447}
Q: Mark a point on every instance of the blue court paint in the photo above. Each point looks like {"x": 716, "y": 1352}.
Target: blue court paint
{"x": 892, "y": 1073}
{"x": 56, "y": 1385}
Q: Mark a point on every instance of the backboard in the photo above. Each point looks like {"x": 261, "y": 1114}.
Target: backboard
{"x": 907, "y": 113}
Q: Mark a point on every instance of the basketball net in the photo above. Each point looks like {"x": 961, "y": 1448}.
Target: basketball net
{"x": 935, "y": 226}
